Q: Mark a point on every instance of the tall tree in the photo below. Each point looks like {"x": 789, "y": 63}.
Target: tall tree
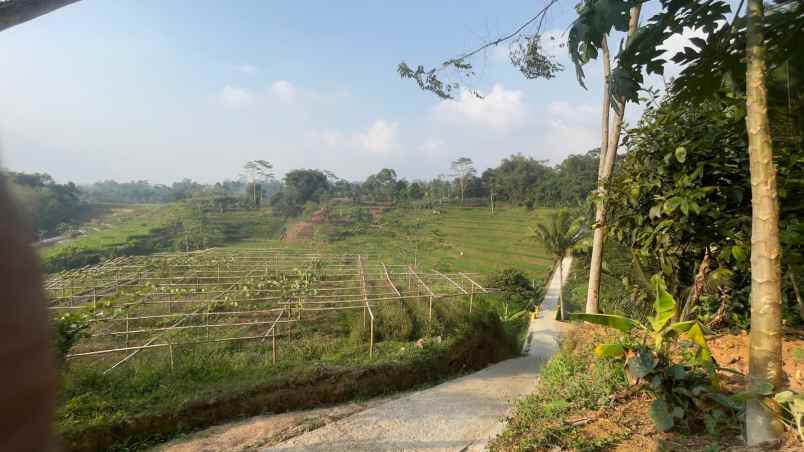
{"x": 765, "y": 343}
{"x": 558, "y": 236}
{"x": 258, "y": 171}
{"x": 463, "y": 168}
{"x": 583, "y": 37}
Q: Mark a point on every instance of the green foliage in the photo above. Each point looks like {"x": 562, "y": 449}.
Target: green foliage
{"x": 68, "y": 330}
{"x": 527, "y": 55}
{"x": 610, "y": 321}
{"x": 301, "y": 186}
{"x": 515, "y": 288}
{"x": 571, "y": 381}
{"x": 793, "y": 405}
{"x": 596, "y": 19}
{"x": 682, "y": 192}
{"x": 681, "y": 374}
{"x": 52, "y": 208}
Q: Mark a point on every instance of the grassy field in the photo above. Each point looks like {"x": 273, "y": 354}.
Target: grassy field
{"x": 457, "y": 239}
{"x": 139, "y": 229}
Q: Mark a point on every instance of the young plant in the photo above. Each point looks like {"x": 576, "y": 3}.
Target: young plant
{"x": 680, "y": 373}
{"x": 793, "y": 404}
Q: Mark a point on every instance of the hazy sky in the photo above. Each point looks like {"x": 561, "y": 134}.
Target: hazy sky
{"x": 162, "y": 90}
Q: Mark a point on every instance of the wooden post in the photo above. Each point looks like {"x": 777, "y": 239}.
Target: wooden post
{"x": 94, "y": 300}
{"x": 170, "y": 347}
{"x": 371, "y": 339}
{"x": 273, "y": 343}
{"x": 206, "y": 321}
{"x": 128, "y": 315}
{"x": 471, "y": 297}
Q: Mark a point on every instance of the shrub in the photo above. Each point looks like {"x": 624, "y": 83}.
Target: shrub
{"x": 516, "y": 289}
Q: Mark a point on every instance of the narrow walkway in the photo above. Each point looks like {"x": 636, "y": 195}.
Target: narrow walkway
{"x": 462, "y": 414}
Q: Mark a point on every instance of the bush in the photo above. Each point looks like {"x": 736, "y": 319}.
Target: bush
{"x": 516, "y": 289}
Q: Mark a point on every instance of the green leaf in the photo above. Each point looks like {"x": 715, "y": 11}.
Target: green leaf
{"x": 726, "y": 401}
{"x": 678, "y": 372}
{"x": 784, "y": 397}
{"x": 761, "y": 389}
{"x": 739, "y": 253}
{"x": 798, "y": 354}
{"x": 682, "y": 327}
{"x": 665, "y": 305}
{"x": 617, "y": 322}
{"x": 642, "y": 364}
{"x": 681, "y": 154}
{"x": 610, "y": 350}
{"x": 660, "y": 413}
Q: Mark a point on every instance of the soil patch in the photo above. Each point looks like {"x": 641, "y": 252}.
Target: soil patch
{"x": 630, "y": 419}
{"x": 298, "y": 231}
{"x": 262, "y": 431}
{"x": 731, "y": 351}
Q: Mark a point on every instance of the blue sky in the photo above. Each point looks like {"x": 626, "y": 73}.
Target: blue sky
{"x": 162, "y": 90}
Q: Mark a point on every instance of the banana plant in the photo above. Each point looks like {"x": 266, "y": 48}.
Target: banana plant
{"x": 683, "y": 383}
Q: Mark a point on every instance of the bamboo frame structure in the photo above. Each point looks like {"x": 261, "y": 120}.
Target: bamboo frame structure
{"x": 168, "y": 300}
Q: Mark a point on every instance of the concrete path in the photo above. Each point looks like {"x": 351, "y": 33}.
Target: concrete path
{"x": 460, "y": 415}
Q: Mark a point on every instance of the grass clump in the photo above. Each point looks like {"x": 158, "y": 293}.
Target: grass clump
{"x": 572, "y": 381}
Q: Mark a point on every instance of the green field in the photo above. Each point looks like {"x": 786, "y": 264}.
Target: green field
{"x": 457, "y": 239}
{"x": 141, "y": 229}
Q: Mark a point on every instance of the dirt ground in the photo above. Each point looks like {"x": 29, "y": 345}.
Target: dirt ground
{"x": 264, "y": 431}
{"x": 731, "y": 351}
{"x": 298, "y": 231}
{"x": 630, "y": 418}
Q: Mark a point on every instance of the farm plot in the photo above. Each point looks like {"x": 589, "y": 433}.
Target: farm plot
{"x": 165, "y": 306}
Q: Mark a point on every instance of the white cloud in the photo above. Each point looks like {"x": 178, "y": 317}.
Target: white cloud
{"x": 431, "y": 145}
{"x": 235, "y": 97}
{"x": 381, "y": 136}
{"x": 572, "y": 112}
{"x": 246, "y": 69}
{"x": 499, "y": 109}
{"x": 330, "y": 139}
{"x": 284, "y": 90}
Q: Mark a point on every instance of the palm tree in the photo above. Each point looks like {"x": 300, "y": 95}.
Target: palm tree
{"x": 559, "y": 235}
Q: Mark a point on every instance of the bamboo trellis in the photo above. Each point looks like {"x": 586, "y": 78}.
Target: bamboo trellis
{"x": 167, "y": 300}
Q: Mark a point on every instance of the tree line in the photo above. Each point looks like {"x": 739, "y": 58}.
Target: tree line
{"x": 518, "y": 180}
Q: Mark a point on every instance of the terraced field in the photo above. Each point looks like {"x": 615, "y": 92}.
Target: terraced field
{"x": 458, "y": 239}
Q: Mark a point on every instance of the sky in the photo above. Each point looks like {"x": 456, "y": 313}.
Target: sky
{"x": 162, "y": 90}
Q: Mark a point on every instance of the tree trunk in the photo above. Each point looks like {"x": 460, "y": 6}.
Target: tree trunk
{"x": 491, "y": 200}
{"x": 608, "y": 153}
{"x": 765, "y": 342}
{"x": 796, "y": 292}
{"x": 697, "y": 288}
{"x": 604, "y": 123}
{"x": 561, "y": 288}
